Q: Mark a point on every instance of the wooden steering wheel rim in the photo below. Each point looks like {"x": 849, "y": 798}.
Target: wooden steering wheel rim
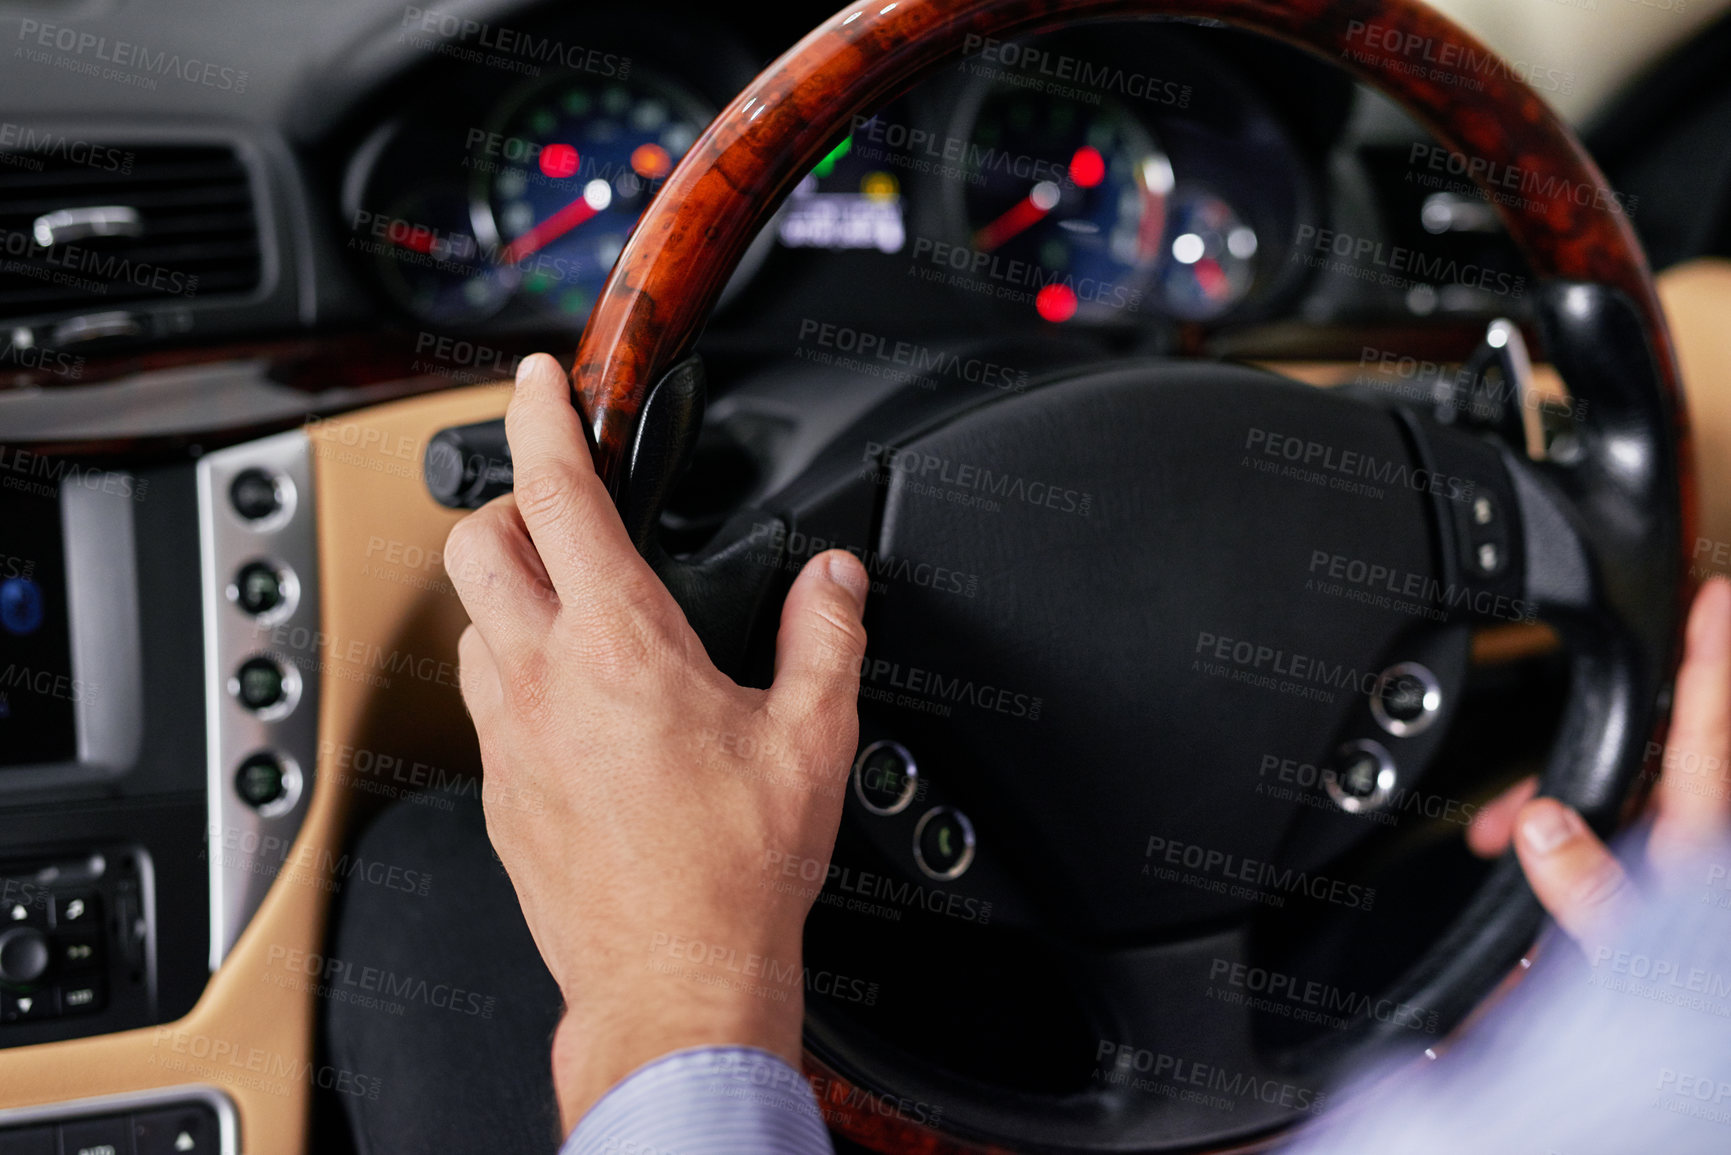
{"x": 695, "y": 231}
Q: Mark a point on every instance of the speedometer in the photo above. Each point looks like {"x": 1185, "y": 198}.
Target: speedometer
{"x": 565, "y": 172}
{"x": 1074, "y": 190}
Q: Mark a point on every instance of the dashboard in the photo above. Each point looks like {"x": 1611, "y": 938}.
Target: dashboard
{"x": 369, "y": 200}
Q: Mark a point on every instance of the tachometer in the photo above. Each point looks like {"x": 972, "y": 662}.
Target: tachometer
{"x": 565, "y": 172}
{"x": 1210, "y": 260}
{"x": 1077, "y": 191}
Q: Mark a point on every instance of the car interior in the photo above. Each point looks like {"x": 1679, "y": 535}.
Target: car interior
{"x": 1271, "y": 430}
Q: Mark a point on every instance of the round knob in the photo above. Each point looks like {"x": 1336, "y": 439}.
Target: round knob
{"x": 23, "y": 955}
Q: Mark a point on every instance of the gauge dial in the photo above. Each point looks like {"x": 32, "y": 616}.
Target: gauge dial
{"x": 429, "y": 260}
{"x": 567, "y": 171}
{"x": 1076, "y": 191}
{"x": 1210, "y": 260}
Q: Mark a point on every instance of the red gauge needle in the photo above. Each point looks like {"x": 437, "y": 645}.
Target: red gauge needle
{"x": 417, "y": 240}
{"x": 1030, "y": 210}
{"x": 597, "y": 195}
{"x": 1211, "y": 278}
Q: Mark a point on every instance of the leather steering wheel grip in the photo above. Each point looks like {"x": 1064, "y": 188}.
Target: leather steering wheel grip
{"x": 695, "y": 231}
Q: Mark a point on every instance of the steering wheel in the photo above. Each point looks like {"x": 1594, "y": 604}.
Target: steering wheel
{"x": 1121, "y": 835}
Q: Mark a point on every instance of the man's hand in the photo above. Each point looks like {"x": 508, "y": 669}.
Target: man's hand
{"x": 1575, "y": 876}
{"x": 633, "y": 792}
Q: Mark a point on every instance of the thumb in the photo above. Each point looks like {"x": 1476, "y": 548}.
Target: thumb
{"x": 822, "y": 641}
{"x": 1580, "y": 882}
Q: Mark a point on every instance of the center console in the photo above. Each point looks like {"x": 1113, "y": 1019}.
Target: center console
{"x": 156, "y": 725}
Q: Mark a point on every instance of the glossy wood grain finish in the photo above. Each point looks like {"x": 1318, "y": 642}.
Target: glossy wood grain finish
{"x": 1560, "y": 209}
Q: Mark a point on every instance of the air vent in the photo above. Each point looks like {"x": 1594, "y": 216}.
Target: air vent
{"x": 83, "y": 229}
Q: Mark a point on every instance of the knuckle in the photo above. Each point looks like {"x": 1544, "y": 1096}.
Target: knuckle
{"x": 1602, "y": 886}
{"x": 528, "y": 687}
{"x": 465, "y": 546}
{"x": 841, "y": 633}
{"x": 542, "y": 497}
{"x": 624, "y": 647}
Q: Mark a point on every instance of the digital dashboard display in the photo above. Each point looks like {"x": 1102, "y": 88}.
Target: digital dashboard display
{"x": 37, "y": 692}
{"x": 846, "y": 202}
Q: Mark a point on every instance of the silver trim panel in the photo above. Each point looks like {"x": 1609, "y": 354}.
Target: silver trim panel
{"x": 247, "y": 847}
{"x": 157, "y": 1098}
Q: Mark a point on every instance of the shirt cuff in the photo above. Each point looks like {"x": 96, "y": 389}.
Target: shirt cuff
{"x": 705, "y": 1101}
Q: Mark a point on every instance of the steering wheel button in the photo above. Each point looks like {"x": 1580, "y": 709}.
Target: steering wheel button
{"x": 1407, "y": 700}
{"x": 885, "y": 778}
{"x": 1361, "y": 777}
{"x": 944, "y": 843}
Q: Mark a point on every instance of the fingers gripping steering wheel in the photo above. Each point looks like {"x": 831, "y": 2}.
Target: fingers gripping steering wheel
{"x": 1183, "y": 561}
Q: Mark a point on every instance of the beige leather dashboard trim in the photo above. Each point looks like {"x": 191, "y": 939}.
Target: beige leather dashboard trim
{"x": 389, "y": 658}
{"x": 1697, "y": 300}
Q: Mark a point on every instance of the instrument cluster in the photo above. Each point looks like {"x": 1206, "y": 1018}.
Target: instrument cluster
{"x": 1115, "y": 176}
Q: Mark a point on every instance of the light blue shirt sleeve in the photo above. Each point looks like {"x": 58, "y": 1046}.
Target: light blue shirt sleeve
{"x": 705, "y": 1101}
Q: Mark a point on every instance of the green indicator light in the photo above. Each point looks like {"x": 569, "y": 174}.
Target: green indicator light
{"x": 828, "y": 163}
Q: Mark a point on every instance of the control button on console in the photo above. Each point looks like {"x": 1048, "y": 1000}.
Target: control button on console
{"x": 885, "y": 777}
{"x": 261, "y": 588}
{"x": 26, "y": 904}
{"x": 29, "y": 1141}
{"x": 177, "y": 1131}
{"x": 944, "y": 842}
{"x": 256, "y": 494}
{"x": 23, "y": 954}
{"x": 260, "y": 780}
{"x": 78, "y": 952}
{"x": 79, "y": 999}
{"x": 76, "y": 910}
{"x": 110, "y": 1136}
{"x": 260, "y": 684}
{"x": 29, "y": 1006}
